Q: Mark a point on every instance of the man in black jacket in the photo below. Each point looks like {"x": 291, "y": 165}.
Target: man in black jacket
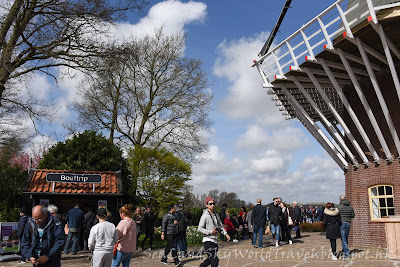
{"x": 297, "y": 217}
{"x": 149, "y": 221}
{"x": 88, "y": 222}
{"x": 275, "y": 214}
{"x": 21, "y": 226}
{"x": 169, "y": 230}
{"x": 258, "y": 221}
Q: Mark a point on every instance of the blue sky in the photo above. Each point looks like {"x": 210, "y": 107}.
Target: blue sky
{"x": 253, "y": 150}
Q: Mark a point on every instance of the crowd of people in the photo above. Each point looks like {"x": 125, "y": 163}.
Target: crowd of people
{"x": 44, "y": 236}
{"x": 277, "y": 218}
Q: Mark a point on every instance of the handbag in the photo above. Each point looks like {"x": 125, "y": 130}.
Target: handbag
{"x": 119, "y": 241}
{"x": 267, "y": 230}
{"x": 290, "y": 221}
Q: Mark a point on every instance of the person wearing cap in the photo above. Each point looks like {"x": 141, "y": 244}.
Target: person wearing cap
{"x": 23, "y": 219}
{"x": 210, "y": 225}
{"x": 102, "y": 238}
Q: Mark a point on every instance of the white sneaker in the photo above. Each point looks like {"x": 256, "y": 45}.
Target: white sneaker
{"x": 334, "y": 257}
{"x": 235, "y": 240}
{"x": 290, "y": 242}
{"x": 277, "y": 245}
{"x": 21, "y": 262}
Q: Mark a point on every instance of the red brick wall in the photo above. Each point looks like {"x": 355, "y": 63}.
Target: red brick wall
{"x": 365, "y": 233}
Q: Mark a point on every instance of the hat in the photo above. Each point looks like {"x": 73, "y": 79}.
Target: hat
{"x": 23, "y": 210}
{"x": 102, "y": 212}
{"x": 208, "y": 199}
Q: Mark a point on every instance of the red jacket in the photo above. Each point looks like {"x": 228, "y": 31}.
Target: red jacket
{"x": 229, "y": 224}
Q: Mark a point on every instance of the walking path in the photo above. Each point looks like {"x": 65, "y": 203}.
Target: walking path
{"x": 313, "y": 249}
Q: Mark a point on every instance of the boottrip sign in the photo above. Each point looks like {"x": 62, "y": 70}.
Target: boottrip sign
{"x": 73, "y": 178}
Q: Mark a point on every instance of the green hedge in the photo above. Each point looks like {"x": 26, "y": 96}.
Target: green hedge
{"x": 312, "y": 227}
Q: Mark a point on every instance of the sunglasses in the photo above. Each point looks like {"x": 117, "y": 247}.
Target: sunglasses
{"x": 211, "y": 204}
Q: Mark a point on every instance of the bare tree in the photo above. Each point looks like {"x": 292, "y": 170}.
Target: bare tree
{"x": 148, "y": 95}
{"x": 38, "y": 34}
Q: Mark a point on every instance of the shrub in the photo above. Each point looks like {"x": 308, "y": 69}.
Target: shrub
{"x": 193, "y": 236}
{"x": 312, "y": 227}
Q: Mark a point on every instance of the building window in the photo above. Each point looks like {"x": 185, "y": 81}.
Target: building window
{"x": 44, "y": 202}
{"x": 381, "y": 201}
{"x": 120, "y": 203}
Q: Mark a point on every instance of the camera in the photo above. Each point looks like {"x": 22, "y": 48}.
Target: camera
{"x": 218, "y": 229}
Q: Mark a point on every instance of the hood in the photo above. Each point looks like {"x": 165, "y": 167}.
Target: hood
{"x": 205, "y": 211}
{"x": 345, "y": 202}
{"x": 331, "y": 212}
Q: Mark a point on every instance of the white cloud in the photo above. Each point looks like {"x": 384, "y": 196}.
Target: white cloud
{"x": 172, "y": 15}
{"x": 246, "y": 98}
{"x": 265, "y": 165}
{"x": 284, "y": 139}
{"x": 215, "y": 163}
{"x": 266, "y": 175}
{"x": 39, "y": 86}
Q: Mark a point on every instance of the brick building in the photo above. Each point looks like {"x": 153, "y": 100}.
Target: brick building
{"x": 339, "y": 76}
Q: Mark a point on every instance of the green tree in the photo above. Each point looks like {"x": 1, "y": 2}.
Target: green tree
{"x": 87, "y": 151}
{"x": 161, "y": 176}
{"x": 12, "y": 178}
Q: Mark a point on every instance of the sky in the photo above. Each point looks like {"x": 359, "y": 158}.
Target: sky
{"x": 253, "y": 151}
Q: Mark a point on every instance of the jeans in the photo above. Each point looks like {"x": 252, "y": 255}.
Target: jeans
{"x": 275, "y": 230}
{"x": 211, "y": 250}
{"x": 180, "y": 243}
{"x": 344, "y": 232}
{"x": 297, "y": 230}
{"x": 74, "y": 236}
{"x": 258, "y": 230}
{"x": 121, "y": 257}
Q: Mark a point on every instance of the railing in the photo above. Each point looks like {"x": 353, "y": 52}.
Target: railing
{"x": 310, "y": 39}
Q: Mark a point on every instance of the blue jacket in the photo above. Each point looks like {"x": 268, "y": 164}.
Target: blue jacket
{"x": 52, "y": 241}
{"x": 75, "y": 218}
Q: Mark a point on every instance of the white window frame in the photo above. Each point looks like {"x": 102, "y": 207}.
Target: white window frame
{"x": 374, "y": 202}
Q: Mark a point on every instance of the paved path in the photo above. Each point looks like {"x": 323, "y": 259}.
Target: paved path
{"x": 311, "y": 250}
